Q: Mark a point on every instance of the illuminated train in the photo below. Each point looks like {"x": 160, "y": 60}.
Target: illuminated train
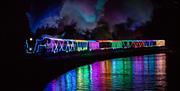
{"x": 55, "y": 45}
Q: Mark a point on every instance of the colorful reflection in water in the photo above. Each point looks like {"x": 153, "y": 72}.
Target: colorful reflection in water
{"x": 138, "y": 73}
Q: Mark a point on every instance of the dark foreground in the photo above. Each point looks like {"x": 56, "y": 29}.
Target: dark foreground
{"x": 34, "y": 74}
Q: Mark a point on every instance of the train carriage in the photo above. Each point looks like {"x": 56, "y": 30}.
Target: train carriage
{"x": 105, "y": 44}
{"x": 81, "y": 45}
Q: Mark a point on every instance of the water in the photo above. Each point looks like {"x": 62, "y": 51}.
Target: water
{"x": 138, "y": 73}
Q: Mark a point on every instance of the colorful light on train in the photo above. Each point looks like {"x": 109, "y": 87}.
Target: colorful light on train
{"x": 55, "y": 45}
{"x": 93, "y": 45}
{"x": 116, "y": 44}
{"x": 160, "y": 43}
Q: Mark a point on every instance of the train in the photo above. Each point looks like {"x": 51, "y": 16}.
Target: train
{"x": 56, "y": 45}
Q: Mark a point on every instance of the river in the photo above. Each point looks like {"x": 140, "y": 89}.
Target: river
{"x": 137, "y": 73}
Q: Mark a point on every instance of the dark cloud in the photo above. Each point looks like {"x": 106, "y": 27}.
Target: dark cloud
{"x": 86, "y": 13}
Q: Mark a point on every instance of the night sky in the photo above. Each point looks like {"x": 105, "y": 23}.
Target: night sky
{"x": 86, "y": 13}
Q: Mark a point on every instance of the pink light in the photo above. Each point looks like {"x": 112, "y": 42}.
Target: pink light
{"x": 93, "y": 45}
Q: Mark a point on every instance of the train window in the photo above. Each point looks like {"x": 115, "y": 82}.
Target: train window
{"x": 65, "y": 44}
{"x": 105, "y": 45}
{"x": 124, "y": 44}
{"x": 154, "y": 43}
{"x": 48, "y": 40}
{"x": 130, "y": 43}
{"x": 56, "y": 41}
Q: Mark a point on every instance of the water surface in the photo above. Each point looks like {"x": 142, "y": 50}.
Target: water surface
{"x": 138, "y": 73}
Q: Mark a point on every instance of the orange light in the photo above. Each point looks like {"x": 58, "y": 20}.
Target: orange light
{"x": 160, "y": 43}
{"x": 104, "y": 40}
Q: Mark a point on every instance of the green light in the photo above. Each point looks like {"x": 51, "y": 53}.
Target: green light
{"x": 83, "y": 77}
{"x": 127, "y": 65}
{"x": 122, "y": 67}
{"x": 117, "y": 66}
{"x": 117, "y": 44}
{"x": 126, "y": 43}
{"x": 128, "y": 72}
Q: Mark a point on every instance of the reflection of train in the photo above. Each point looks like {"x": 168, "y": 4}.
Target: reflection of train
{"x": 55, "y": 45}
